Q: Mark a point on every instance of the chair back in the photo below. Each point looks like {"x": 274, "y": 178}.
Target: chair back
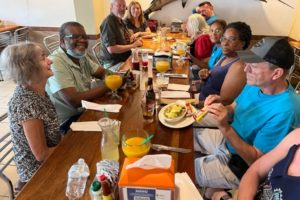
{"x": 6, "y": 158}
{"x": 21, "y": 35}
{"x": 51, "y": 42}
{"x": 96, "y": 52}
{"x": 5, "y": 39}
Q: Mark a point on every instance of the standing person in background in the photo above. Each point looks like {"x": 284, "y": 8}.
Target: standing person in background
{"x": 206, "y": 9}
{"x": 33, "y": 121}
{"x": 135, "y": 20}
{"x": 115, "y": 37}
{"x": 73, "y": 71}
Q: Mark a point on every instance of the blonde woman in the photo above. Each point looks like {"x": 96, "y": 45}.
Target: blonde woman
{"x": 135, "y": 20}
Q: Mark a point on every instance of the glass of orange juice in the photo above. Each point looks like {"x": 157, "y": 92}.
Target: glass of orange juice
{"x": 162, "y": 65}
{"x": 133, "y": 144}
{"x": 114, "y": 82}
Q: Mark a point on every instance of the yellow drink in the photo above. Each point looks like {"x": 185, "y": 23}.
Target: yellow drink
{"x": 162, "y": 66}
{"x": 180, "y": 52}
{"x": 133, "y": 147}
{"x": 113, "y": 82}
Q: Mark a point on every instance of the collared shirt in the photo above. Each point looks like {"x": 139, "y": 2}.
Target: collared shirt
{"x": 68, "y": 74}
{"x": 113, "y": 32}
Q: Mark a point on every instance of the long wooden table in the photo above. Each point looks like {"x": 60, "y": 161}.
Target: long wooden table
{"x": 50, "y": 180}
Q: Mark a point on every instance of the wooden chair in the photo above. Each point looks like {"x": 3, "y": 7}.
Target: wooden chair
{"x": 96, "y": 52}
{"x": 21, "y": 35}
{"x": 5, "y": 159}
{"x": 51, "y": 42}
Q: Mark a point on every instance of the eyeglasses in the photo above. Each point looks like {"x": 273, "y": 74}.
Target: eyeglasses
{"x": 230, "y": 40}
{"x": 217, "y": 31}
{"x": 77, "y": 37}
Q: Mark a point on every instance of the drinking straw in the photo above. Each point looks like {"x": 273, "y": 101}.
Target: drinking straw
{"x": 147, "y": 139}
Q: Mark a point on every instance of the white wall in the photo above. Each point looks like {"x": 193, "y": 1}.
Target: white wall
{"x": 48, "y": 13}
{"x": 272, "y": 18}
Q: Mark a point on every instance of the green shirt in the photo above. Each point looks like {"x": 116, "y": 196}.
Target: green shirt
{"x": 68, "y": 74}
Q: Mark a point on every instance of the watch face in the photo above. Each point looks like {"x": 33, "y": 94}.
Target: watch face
{"x": 225, "y": 197}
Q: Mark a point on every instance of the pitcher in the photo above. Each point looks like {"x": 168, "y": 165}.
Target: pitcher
{"x": 109, "y": 147}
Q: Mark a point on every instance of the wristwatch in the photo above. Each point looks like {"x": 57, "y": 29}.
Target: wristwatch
{"x": 226, "y": 196}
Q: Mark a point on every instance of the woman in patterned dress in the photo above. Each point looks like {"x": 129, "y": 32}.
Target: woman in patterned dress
{"x": 33, "y": 120}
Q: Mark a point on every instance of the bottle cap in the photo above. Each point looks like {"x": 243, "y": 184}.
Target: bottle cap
{"x": 102, "y": 177}
{"x": 96, "y": 185}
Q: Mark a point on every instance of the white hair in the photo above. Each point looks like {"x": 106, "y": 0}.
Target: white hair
{"x": 197, "y": 25}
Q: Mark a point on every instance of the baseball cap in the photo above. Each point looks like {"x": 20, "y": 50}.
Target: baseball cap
{"x": 274, "y": 50}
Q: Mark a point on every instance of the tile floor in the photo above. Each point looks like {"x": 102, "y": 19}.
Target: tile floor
{"x": 6, "y": 90}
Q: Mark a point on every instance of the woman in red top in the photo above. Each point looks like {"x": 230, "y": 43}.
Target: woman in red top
{"x": 202, "y": 46}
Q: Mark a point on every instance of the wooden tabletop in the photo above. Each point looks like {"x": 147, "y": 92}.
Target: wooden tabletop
{"x": 8, "y": 27}
{"x": 50, "y": 180}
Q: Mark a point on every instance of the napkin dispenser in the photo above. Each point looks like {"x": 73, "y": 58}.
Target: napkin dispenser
{"x": 138, "y": 183}
{"x": 161, "y": 56}
{"x": 176, "y": 27}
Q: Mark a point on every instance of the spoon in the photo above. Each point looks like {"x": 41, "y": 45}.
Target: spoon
{"x": 147, "y": 139}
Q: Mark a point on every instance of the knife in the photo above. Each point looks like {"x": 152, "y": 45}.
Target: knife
{"x": 159, "y": 147}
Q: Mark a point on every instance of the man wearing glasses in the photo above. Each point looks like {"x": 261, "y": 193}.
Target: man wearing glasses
{"x": 262, "y": 115}
{"x": 116, "y": 39}
{"x": 72, "y": 70}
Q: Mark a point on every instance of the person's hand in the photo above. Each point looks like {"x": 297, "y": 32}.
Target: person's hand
{"x": 204, "y": 74}
{"x": 212, "y": 99}
{"x": 138, "y": 43}
{"x": 218, "y": 195}
{"x": 220, "y": 114}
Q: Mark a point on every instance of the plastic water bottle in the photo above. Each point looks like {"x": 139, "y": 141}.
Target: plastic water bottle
{"x": 84, "y": 171}
{"x": 72, "y": 191}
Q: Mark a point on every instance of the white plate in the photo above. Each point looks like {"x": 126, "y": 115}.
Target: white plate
{"x": 186, "y": 121}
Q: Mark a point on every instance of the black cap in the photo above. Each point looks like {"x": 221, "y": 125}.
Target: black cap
{"x": 274, "y": 50}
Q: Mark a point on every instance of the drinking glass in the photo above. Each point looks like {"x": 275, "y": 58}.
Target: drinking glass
{"x": 133, "y": 143}
{"x": 162, "y": 66}
{"x": 145, "y": 60}
{"x": 135, "y": 61}
{"x": 114, "y": 82}
{"x": 181, "y": 49}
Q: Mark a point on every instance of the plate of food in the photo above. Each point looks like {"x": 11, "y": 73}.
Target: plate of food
{"x": 174, "y": 115}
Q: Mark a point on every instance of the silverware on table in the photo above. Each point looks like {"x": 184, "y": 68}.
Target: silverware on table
{"x": 159, "y": 147}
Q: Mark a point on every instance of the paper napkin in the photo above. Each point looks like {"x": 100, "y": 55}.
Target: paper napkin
{"x": 180, "y": 87}
{"x": 175, "y": 94}
{"x": 186, "y": 189}
{"x": 85, "y": 126}
{"x": 115, "y": 108}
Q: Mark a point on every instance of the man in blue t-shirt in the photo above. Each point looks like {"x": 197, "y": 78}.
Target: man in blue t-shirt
{"x": 266, "y": 110}
{"x": 206, "y": 9}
